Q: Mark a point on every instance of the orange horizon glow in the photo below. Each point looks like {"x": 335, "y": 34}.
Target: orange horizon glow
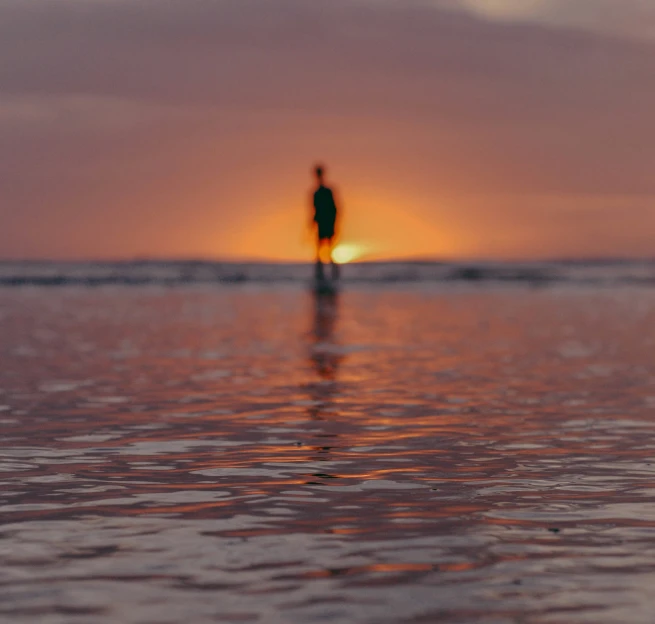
{"x": 369, "y": 229}
{"x": 382, "y": 219}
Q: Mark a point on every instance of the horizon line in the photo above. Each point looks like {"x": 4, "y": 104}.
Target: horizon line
{"x": 254, "y": 260}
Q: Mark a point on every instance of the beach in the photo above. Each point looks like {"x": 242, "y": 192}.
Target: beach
{"x": 397, "y": 452}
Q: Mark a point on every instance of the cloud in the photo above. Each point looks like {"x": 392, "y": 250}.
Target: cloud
{"x": 507, "y": 9}
{"x": 621, "y": 18}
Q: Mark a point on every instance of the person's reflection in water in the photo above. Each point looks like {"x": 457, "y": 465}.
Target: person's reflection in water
{"x": 325, "y": 356}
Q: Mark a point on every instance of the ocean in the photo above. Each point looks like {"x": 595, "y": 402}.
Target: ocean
{"x": 206, "y": 442}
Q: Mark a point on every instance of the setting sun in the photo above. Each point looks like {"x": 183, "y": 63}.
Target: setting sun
{"x": 347, "y": 252}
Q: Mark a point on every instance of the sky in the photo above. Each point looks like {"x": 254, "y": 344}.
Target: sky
{"x": 450, "y": 128}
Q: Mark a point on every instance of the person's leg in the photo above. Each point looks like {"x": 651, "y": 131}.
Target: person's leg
{"x": 319, "y": 273}
{"x": 334, "y": 265}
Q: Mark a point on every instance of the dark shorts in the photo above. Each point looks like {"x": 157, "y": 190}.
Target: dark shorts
{"x": 325, "y": 230}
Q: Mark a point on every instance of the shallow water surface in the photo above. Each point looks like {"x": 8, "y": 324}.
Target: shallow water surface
{"x": 385, "y": 455}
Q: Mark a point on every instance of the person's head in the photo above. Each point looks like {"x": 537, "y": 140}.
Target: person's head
{"x": 319, "y": 172}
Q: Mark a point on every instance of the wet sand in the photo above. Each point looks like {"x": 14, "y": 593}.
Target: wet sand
{"x": 244, "y": 454}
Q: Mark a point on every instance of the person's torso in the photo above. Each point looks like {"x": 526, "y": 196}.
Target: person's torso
{"x": 324, "y": 206}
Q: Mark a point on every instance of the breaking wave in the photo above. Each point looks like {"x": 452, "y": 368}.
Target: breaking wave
{"x": 173, "y": 273}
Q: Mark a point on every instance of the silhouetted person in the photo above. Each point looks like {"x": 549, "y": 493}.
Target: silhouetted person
{"x": 325, "y": 219}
